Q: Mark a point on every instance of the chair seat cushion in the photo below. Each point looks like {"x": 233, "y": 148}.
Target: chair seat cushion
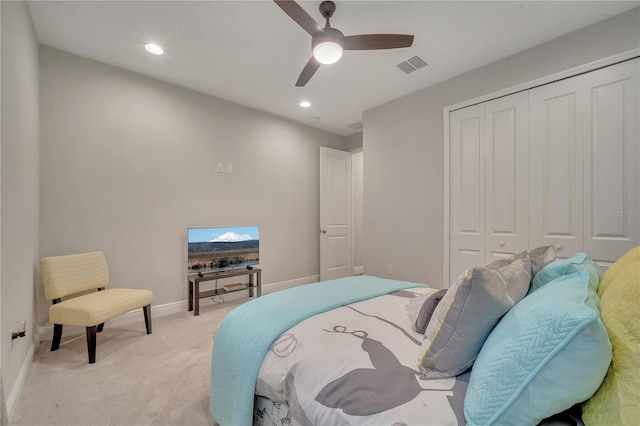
{"x": 95, "y": 308}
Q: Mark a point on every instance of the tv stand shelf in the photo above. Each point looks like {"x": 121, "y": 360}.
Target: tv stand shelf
{"x": 196, "y": 278}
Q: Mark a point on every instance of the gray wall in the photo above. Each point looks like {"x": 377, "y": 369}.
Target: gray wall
{"x": 19, "y": 154}
{"x": 403, "y": 146}
{"x": 353, "y": 142}
{"x": 129, "y": 163}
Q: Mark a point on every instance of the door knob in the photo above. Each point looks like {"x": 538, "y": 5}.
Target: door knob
{"x": 558, "y": 247}
{"x": 501, "y": 243}
{"x": 323, "y": 231}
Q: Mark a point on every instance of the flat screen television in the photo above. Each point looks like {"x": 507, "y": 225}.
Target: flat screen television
{"x": 217, "y": 248}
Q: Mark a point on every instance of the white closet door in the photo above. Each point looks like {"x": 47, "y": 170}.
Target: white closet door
{"x": 506, "y": 176}
{"x": 467, "y": 189}
{"x": 556, "y": 166}
{"x": 612, "y": 160}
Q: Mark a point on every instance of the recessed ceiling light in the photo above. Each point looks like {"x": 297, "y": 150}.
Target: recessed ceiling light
{"x": 154, "y": 49}
{"x": 305, "y": 104}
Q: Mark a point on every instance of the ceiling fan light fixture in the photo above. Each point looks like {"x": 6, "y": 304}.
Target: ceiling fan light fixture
{"x": 327, "y": 52}
{"x": 154, "y": 49}
{"x": 328, "y": 43}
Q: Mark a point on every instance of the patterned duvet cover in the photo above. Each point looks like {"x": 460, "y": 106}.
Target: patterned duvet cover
{"x": 356, "y": 365}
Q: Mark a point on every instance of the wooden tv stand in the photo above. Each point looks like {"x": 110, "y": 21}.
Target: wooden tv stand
{"x": 195, "y": 278}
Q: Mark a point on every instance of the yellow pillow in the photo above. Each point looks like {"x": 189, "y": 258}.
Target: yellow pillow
{"x": 617, "y": 400}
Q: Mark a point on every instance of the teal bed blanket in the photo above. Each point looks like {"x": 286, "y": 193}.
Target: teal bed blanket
{"x": 246, "y": 334}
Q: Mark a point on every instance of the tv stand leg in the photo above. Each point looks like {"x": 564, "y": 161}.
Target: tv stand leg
{"x": 196, "y": 299}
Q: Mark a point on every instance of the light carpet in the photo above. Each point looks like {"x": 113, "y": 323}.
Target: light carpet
{"x": 138, "y": 379}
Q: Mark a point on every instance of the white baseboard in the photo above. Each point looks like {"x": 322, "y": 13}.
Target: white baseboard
{"x": 45, "y": 331}
{"x": 16, "y": 390}
{"x": 273, "y": 287}
{"x": 358, "y": 270}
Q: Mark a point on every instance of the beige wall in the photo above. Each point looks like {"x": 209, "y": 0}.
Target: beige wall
{"x": 403, "y": 146}
{"x": 128, "y": 163}
{"x": 19, "y": 155}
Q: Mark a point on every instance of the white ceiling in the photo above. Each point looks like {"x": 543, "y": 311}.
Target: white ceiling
{"x": 251, "y": 52}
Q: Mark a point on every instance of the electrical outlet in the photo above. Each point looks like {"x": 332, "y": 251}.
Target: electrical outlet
{"x": 229, "y": 168}
{"x": 19, "y": 331}
{"x": 220, "y": 168}
{"x": 389, "y": 269}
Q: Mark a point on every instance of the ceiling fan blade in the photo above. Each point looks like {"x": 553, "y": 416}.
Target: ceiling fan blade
{"x": 376, "y": 41}
{"x": 298, "y": 14}
{"x": 308, "y": 72}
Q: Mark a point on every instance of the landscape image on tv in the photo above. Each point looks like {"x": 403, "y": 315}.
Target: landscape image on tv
{"x": 213, "y": 249}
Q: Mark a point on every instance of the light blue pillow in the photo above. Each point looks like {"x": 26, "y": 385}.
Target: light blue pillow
{"x": 549, "y": 352}
{"x": 578, "y": 262}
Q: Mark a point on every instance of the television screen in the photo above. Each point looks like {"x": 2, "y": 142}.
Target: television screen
{"x": 214, "y": 249}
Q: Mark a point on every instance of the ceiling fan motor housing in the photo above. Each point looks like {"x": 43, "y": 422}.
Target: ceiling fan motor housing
{"x": 328, "y": 34}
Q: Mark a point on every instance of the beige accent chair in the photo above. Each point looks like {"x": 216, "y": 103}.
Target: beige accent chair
{"x": 69, "y": 275}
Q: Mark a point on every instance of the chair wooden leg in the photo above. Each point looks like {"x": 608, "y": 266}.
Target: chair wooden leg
{"x": 147, "y": 318}
{"x": 57, "y": 336}
{"x": 100, "y": 327}
{"x": 91, "y": 343}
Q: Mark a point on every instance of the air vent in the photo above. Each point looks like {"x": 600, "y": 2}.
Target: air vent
{"x": 410, "y": 65}
{"x": 355, "y": 126}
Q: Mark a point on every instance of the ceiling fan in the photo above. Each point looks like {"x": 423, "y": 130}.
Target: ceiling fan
{"x": 328, "y": 43}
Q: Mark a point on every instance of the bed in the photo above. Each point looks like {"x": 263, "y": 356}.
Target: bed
{"x": 377, "y": 345}
{"x": 347, "y": 351}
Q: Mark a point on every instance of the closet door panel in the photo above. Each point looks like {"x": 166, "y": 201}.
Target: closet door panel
{"x": 555, "y": 167}
{"x": 467, "y": 189}
{"x": 612, "y": 160}
{"x": 506, "y": 176}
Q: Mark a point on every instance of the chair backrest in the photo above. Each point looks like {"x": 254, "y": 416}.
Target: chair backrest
{"x": 74, "y": 273}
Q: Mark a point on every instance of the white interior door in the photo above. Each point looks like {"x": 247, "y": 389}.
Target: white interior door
{"x": 612, "y": 160}
{"x": 488, "y": 214}
{"x": 506, "y": 176}
{"x": 336, "y": 228}
{"x": 467, "y": 189}
{"x": 556, "y": 166}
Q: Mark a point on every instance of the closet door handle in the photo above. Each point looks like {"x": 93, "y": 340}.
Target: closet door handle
{"x": 558, "y": 247}
{"x": 502, "y": 244}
